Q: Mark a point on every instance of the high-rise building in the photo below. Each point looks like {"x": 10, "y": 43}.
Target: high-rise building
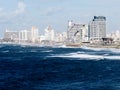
{"x": 77, "y": 33}
{"x": 49, "y": 34}
{"x": 24, "y": 35}
{"x": 97, "y": 28}
{"x": 34, "y": 34}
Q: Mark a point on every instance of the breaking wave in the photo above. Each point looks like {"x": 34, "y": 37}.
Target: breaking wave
{"x": 81, "y": 55}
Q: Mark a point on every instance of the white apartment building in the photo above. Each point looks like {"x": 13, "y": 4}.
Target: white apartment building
{"x": 77, "y": 33}
{"x": 97, "y": 28}
{"x": 24, "y": 35}
{"x": 49, "y": 34}
{"x": 34, "y": 34}
{"x": 11, "y": 35}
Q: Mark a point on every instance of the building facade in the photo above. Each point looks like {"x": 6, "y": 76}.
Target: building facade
{"x": 49, "y": 34}
{"x": 115, "y": 36}
{"x": 77, "y": 33}
{"x": 24, "y": 35}
{"x": 97, "y": 28}
{"x": 34, "y": 34}
{"x": 11, "y": 36}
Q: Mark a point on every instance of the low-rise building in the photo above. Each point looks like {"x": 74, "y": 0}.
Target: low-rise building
{"x": 115, "y": 36}
{"x": 11, "y": 36}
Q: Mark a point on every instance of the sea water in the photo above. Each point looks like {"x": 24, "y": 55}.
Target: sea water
{"x": 58, "y": 68}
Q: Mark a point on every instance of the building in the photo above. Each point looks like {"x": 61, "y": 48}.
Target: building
{"x": 77, "y": 33}
{"x": 34, "y": 34}
{"x": 58, "y": 37}
{"x": 97, "y": 28}
{"x": 64, "y": 36}
{"x": 11, "y": 36}
{"x": 115, "y": 36}
{"x": 24, "y": 35}
{"x": 49, "y": 34}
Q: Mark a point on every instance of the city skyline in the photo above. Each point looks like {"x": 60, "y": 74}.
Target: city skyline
{"x": 23, "y": 14}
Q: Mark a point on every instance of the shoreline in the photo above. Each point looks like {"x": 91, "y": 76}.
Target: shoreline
{"x": 64, "y": 45}
{"x": 105, "y": 46}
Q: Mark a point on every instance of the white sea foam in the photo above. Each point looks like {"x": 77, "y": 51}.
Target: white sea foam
{"x": 47, "y": 51}
{"x": 79, "y": 52}
{"x": 114, "y": 50}
{"x": 113, "y": 57}
{"x": 82, "y": 56}
{"x": 95, "y": 49}
{"x": 87, "y": 56}
{"x": 5, "y": 51}
{"x": 62, "y": 46}
{"x": 30, "y": 45}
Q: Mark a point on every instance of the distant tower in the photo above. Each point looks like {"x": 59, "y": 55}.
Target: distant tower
{"x": 97, "y": 28}
{"x": 49, "y": 34}
{"x": 34, "y": 34}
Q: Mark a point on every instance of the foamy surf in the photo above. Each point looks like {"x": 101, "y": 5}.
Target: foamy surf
{"x": 87, "y": 56}
{"x": 47, "y": 51}
{"x": 6, "y": 51}
{"x": 82, "y": 56}
{"x": 94, "y": 49}
{"x": 115, "y": 50}
{"x": 100, "y": 49}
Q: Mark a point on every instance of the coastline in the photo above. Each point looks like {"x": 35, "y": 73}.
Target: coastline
{"x": 104, "y": 46}
{"x": 65, "y": 45}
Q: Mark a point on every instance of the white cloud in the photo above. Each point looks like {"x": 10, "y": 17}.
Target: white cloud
{"x": 6, "y": 16}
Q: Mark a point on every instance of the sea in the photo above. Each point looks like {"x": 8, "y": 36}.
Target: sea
{"x": 59, "y": 68}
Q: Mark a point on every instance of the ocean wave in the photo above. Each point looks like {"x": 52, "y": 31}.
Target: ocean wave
{"x": 112, "y": 57}
{"x": 114, "y": 50}
{"x": 95, "y": 49}
{"x": 1, "y": 46}
{"x": 107, "y": 54}
{"x": 6, "y": 51}
{"x": 87, "y": 56}
{"x": 47, "y": 51}
{"x": 82, "y": 56}
{"x": 33, "y": 51}
{"x": 80, "y": 52}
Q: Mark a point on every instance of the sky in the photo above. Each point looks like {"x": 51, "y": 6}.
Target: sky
{"x": 23, "y": 14}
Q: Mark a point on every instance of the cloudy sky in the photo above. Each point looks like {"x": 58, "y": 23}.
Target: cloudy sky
{"x": 22, "y": 14}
